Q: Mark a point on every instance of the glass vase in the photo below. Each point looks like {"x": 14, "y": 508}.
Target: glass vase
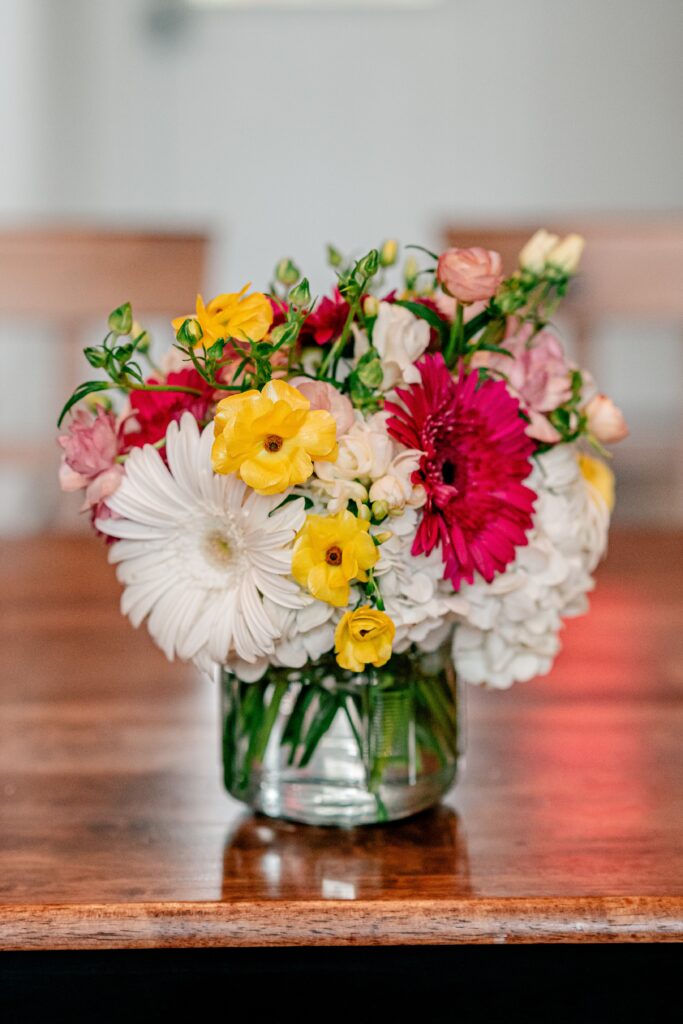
{"x": 328, "y": 747}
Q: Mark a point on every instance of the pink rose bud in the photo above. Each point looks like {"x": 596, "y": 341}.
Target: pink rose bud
{"x": 325, "y": 396}
{"x": 605, "y": 420}
{"x": 470, "y": 275}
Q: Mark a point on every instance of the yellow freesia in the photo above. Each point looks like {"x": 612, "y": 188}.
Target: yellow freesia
{"x": 233, "y": 315}
{"x": 330, "y": 552}
{"x": 599, "y": 476}
{"x": 364, "y": 637}
{"x": 270, "y": 437}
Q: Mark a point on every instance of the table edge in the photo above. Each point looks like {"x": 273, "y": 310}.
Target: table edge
{"x": 253, "y": 923}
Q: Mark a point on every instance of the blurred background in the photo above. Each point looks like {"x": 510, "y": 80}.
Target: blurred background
{"x": 151, "y": 148}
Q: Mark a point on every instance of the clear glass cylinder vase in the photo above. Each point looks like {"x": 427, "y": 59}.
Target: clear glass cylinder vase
{"x": 327, "y": 747}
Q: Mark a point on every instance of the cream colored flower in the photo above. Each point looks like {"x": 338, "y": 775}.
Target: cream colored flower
{"x": 534, "y": 254}
{"x": 400, "y": 339}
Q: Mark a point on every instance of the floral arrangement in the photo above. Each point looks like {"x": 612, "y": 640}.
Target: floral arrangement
{"x": 392, "y": 467}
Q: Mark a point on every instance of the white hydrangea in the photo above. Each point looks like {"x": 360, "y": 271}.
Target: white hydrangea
{"x": 421, "y": 604}
{"x": 510, "y": 631}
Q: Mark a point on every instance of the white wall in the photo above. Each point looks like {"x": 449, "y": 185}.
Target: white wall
{"x": 282, "y": 130}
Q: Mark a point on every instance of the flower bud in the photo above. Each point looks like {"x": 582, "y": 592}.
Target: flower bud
{"x": 380, "y": 510}
{"x": 369, "y": 265}
{"x": 364, "y": 513}
{"x": 190, "y": 332}
{"x": 384, "y": 536}
{"x": 605, "y": 420}
{"x": 137, "y": 331}
{"x": 287, "y": 272}
{"x": 389, "y": 253}
{"x": 411, "y": 270}
{"x": 566, "y": 255}
{"x": 534, "y": 254}
{"x": 300, "y": 297}
{"x": 334, "y": 257}
{"x": 121, "y": 319}
{"x": 370, "y": 305}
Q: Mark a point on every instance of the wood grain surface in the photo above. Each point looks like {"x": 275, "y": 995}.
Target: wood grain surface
{"x": 115, "y": 832}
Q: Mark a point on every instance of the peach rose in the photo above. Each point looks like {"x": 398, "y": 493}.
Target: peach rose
{"x": 605, "y": 420}
{"x": 470, "y": 275}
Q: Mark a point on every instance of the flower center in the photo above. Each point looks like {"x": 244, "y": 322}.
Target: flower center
{"x": 273, "y": 443}
{"x": 333, "y": 555}
{"x": 448, "y": 472}
{"x": 217, "y": 549}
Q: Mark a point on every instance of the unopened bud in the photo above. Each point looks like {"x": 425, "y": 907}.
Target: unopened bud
{"x": 141, "y": 337}
{"x": 534, "y": 254}
{"x": 389, "y": 253}
{"x": 334, "y": 257}
{"x": 287, "y": 272}
{"x": 369, "y": 265}
{"x": 566, "y": 255}
{"x": 410, "y": 272}
{"x": 380, "y": 510}
{"x": 300, "y": 297}
{"x": 190, "y": 332}
{"x": 121, "y": 319}
{"x": 364, "y": 513}
{"x": 384, "y": 536}
{"x": 370, "y": 305}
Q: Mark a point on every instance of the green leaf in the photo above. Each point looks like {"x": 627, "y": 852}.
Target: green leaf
{"x": 428, "y": 314}
{"x": 322, "y": 720}
{"x": 80, "y": 393}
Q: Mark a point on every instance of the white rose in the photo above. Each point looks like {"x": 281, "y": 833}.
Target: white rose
{"x": 396, "y": 487}
{"x": 534, "y": 254}
{"x": 400, "y": 339}
{"x": 566, "y": 255}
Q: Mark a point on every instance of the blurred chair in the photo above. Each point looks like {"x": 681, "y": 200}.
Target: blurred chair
{"x": 631, "y": 271}
{"x": 68, "y": 279}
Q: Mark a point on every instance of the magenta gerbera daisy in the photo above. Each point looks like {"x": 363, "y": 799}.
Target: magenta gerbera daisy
{"x": 476, "y": 455}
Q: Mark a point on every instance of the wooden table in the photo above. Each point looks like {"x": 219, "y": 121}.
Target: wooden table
{"x": 116, "y": 833}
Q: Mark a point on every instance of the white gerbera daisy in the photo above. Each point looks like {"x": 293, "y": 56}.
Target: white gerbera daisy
{"x": 198, "y": 553}
{"x": 511, "y": 629}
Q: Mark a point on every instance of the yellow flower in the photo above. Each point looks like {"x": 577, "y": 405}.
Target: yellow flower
{"x": 330, "y": 552}
{"x": 598, "y": 476}
{"x": 270, "y": 437}
{"x": 234, "y": 315}
{"x": 364, "y": 637}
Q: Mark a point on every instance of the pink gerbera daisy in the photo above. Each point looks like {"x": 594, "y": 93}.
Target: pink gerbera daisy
{"x": 476, "y": 455}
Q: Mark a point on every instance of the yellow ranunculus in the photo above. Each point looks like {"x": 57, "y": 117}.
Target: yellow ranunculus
{"x": 330, "y": 552}
{"x": 270, "y": 437}
{"x": 364, "y": 637}
{"x": 599, "y": 476}
{"x": 233, "y": 315}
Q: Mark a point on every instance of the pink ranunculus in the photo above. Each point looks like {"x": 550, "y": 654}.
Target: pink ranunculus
{"x": 325, "y": 396}
{"x": 446, "y": 304}
{"x": 99, "y": 489}
{"x": 91, "y": 444}
{"x": 89, "y": 461}
{"x": 537, "y": 372}
{"x": 605, "y": 420}
{"x": 470, "y": 275}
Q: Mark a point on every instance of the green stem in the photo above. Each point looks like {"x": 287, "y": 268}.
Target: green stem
{"x": 456, "y": 341}
{"x": 336, "y": 350}
{"x": 165, "y": 387}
